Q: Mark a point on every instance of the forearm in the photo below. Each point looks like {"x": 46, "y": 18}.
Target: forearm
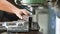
{"x": 6, "y": 6}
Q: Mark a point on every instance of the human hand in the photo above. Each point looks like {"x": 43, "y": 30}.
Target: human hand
{"x": 19, "y": 13}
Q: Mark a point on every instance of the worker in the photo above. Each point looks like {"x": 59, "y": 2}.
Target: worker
{"x": 10, "y": 8}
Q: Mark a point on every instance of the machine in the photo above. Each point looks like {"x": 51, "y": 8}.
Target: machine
{"x": 31, "y": 6}
{"x": 15, "y": 26}
{"x": 28, "y": 23}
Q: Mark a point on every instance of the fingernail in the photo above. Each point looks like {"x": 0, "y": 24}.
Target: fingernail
{"x": 21, "y": 18}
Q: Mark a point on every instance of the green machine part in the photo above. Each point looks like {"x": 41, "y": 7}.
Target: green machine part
{"x": 34, "y": 1}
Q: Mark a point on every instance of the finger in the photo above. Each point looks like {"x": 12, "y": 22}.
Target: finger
{"x": 28, "y": 12}
{"x": 25, "y": 12}
{"x": 19, "y": 16}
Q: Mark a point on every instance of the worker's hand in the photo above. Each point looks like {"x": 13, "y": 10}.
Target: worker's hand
{"x": 20, "y": 12}
{"x": 8, "y": 7}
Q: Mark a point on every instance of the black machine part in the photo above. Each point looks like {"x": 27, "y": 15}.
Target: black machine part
{"x": 35, "y": 26}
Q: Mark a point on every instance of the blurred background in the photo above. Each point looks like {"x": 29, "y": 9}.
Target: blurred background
{"x": 47, "y": 12}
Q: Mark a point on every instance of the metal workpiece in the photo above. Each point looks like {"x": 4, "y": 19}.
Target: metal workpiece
{"x": 15, "y": 26}
{"x": 24, "y": 25}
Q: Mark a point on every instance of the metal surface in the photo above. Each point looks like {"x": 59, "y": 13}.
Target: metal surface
{"x": 35, "y": 26}
{"x": 23, "y": 25}
{"x": 30, "y": 2}
{"x": 15, "y": 26}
